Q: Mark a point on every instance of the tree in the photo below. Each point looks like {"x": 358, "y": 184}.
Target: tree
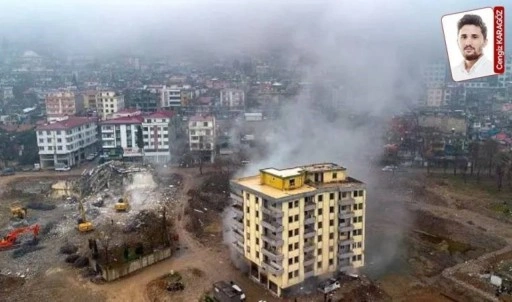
{"x": 502, "y": 161}
{"x": 474, "y": 155}
{"x": 490, "y": 149}
{"x": 140, "y": 138}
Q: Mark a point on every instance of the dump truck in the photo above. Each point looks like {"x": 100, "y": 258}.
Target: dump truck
{"x": 228, "y": 292}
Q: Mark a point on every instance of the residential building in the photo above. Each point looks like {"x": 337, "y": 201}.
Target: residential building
{"x": 435, "y": 97}
{"x": 146, "y": 98}
{"x": 435, "y": 73}
{"x": 158, "y": 133}
{"x": 299, "y": 223}
{"x": 66, "y": 142}
{"x": 119, "y": 137}
{"x": 63, "y": 102}
{"x": 89, "y": 99}
{"x": 109, "y": 102}
{"x": 172, "y": 96}
{"x": 230, "y": 97}
{"x": 201, "y": 130}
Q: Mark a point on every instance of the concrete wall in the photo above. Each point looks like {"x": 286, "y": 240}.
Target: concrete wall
{"x": 117, "y": 271}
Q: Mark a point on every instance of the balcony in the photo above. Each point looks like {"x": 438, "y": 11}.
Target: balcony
{"x": 309, "y": 247}
{"x": 309, "y": 220}
{"x": 238, "y": 247}
{"x": 272, "y": 254}
{"x": 346, "y": 202}
{"x": 238, "y": 235}
{"x": 274, "y": 226}
{"x": 342, "y": 256}
{"x": 345, "y": 227}
{"x": 345, "y": 215}
{"x": 272, "y": 268}
{"x": 239, "y": 211}
{"x": 309, "y": 232}
{"x": 272, "y": 211}
{"x": 309, "y": 259}
{"x": 238, "y": 224}
{"x": 272, "y": 240}
{"x": 237, "y": 199}
{"x": 309, "y": 207}
{"x": 345, "y": 241}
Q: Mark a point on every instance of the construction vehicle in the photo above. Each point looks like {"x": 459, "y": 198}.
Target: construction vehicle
{"x": 83, "y": 224}
{"x": 122, "y": 204}
{"x": 18, "y": 211}
{"x": 10, "y": 240}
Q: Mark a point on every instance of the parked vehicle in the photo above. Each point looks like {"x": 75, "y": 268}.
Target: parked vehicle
{"x": 228, "y": 292}
{"x": 62, "y": 167}
{"x": 90, "y": 157}
{"x": 329, "y": 285}
{"x": 7, "y": 172}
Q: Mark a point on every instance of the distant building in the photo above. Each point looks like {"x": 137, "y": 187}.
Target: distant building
{"x": 109, "y": 102}
{"x": 146, "y": 99}
{"x": 66, "y": 142}
{"x": 90, "y": 99}
{"x": 435, "y": 74}
{"x": 232, "y": 97}
{"x": 63, "y": 102}
{"x": 174, "y": 96}
{"x": 119, "y": 137}
{"x": 435, "y": 97}
{"x": 202, "y": 135}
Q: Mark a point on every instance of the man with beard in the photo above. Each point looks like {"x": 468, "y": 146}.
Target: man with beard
{"x": 472, "y": 38}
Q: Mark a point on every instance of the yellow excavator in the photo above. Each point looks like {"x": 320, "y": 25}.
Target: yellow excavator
{"x": 18, "y": 211}
{"x": 83, "y": 224}
{"x": 122, "y": 204}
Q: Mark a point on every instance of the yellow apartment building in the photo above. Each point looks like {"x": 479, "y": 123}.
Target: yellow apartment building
{"x": 297, "y": 223}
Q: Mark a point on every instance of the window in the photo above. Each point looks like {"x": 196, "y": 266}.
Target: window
{"x": 344, "y": 194}
{"x": 296, "y": 245}
{"x": 290, "y": 261}
{"x": 331, "y": 248}
{"x": 296, "y": 203}
{"x": 41, "y": 140}
{"x": 319, "y": 238}
{"x": 290, "y": 219}
{"x": 257, "y": 226}
{"x": 257, "y": 254}
{"x": 319, "y": 224}
{"x": 290, "y": 205}
{"x": 292, "y": 182}
{"x": 247, "y": 196}
{"x": 297, "y": 217}
{"x": 331, "y": 222}
{"x": 319, "y": 264}
{"x": 296, "y": 232}
{"x": 320, "y": 211}
{"x": 256, "y": 200}
{"x": 360, "y": 206}
{"x": 359, "y": 257}
{"x": 296, "y": 273}
{"x": 360, "y": 193}
{"x": 331, "y": 261}
{"x": 331, "y": 209}
{"x": 59, "y": 140}
{"x": 355, "y": 193}
{"x": 290, "y": 275}
{"x": 257, "y": 241}
{"x": 205, "y": 124}
{"x": 257, "y": 214}
{"x": 248, "y": 223}
{"x": 248, "y": 209}
{"x": 331, "y": 196}
{"x": 290, "y": 233}
{"x": 331, "y": 235}
{"x": 319, "y": 252}
{"x": 357, "y": 232}
{"x": 290, "y": 247}
{"x": 59, "y": 148}
{"x": 320, "y": 198}
{"x": 334, "y": 175}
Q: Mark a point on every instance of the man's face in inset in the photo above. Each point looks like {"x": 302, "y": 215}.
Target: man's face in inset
{"x": 471, "y": 42}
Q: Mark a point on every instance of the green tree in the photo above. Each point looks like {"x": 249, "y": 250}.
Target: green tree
{"x": 140, "y": 138}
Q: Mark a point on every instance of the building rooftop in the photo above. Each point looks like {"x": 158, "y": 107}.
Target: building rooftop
{"x": 323, "y": 167}
{"x": 200, "y": 118}
{"x": 137, "y": 119}
{"x": 254, "y": 182}
{"x": 71, "y": 122}
{"x": 283, "y": 173}
{"x": 160, "y": 114}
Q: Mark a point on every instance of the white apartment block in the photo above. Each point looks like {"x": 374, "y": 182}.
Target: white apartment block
{"x": 230, "y": 97}
{"x": 121, "y": 134}
{"x": 108, "y": 102}
{"x": 66, "y": 142}
{"x": 201, "y": 130}
{"x": 158, "y": 134}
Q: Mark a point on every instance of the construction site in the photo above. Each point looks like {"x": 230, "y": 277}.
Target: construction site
{"x": 81, "y": 237}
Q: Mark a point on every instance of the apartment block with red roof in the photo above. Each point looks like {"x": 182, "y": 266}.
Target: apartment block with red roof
{"x": 119, "y": 137}
{"x": 159, "y": 132}
{"x": 66, "y": 142}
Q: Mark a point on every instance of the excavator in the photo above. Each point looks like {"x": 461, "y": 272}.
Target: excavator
{"x": 122, "y": 204}
{"x": 18, "y": 211}
{"x": 9, "y": 241}
{"x": 83, "y": 224}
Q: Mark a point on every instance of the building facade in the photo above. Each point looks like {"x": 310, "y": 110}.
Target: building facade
{"x": 298, "y": 223}
{"x": 66, "y": 142}
{"x": 158, "y": 133}
{"x": 232, "y": 98}
{"x": 63, "y": 103}
{"x": 201, "y": 131}
{"x": 109, "y": 102}
{"x": 119, "y": 137}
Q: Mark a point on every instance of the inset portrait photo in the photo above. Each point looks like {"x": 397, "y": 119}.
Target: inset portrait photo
{"x": 472, "y": 43}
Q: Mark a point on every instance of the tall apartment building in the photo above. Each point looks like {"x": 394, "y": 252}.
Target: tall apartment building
{"x": 119, "y": 137}
{"x": 298, "y": 223}
{"x": 230, "y": 97}
{"x": 89, "y": 99}
{"x": 172, "y": 96}
{"x": 66, "y": 142}
{"x": 146, "y": 98}
{"x": 435, "y": 74}
{"x": 63, "y": 102}
{"x": 109, "y": 102}
{"x": 158, "y": 133}
{"x": 201, "y": 131}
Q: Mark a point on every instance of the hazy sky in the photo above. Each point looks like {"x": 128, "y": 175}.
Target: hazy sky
{"x": 225, "y": 27}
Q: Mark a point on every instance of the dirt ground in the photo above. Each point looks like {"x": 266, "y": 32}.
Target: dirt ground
{"x": 419, "y": 231}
